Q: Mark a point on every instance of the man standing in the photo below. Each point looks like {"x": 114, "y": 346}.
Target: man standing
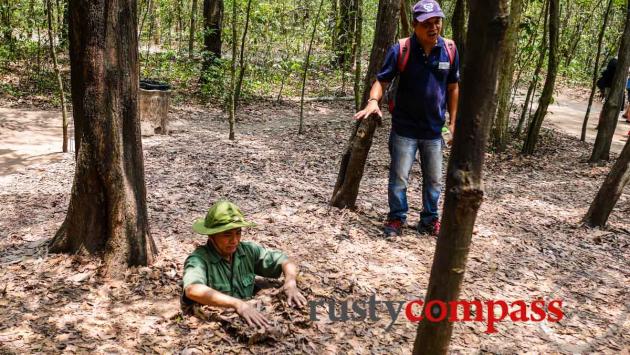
{"x": 428, "y": 83}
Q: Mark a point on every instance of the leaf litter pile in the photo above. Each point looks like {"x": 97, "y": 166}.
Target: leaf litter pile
{"x": 528, "y": 243}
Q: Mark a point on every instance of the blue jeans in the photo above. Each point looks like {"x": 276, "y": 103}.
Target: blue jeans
{"x": 402, "y": 151}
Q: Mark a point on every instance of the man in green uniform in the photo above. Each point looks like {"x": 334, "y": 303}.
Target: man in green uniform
{"x": 221, "y": 273}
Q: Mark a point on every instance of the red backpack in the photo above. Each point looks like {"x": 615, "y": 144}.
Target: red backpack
{"x": 403, "y": 58}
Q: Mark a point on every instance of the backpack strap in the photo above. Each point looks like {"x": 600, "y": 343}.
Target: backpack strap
{"x": 451, "y": 48}
{"x": 403, "y": 53}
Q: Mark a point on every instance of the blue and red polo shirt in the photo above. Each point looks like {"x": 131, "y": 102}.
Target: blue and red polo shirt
{"x": 422, "y": 89}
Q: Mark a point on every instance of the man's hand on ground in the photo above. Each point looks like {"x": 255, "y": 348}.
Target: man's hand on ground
{"x": 370, "y": 108}
{"x": 294, "y": 297}
{"x": 251, "y": 315}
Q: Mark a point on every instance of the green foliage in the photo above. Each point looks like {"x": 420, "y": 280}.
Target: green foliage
{"x": 215, "y": 80}
{"x": 276, "y": 45}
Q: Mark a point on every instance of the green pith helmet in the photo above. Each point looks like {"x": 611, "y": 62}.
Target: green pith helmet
{"x": 222, "y": 216}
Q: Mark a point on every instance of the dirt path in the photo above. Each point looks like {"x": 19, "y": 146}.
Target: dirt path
{"x": 567, "y": 115}
{"x": 29, "y": 137}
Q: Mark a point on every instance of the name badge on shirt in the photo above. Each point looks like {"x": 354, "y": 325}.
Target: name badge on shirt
{"x": 444, "y": 65}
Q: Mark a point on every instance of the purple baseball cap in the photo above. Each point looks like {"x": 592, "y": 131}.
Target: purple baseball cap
{"x": 425, "y": 9}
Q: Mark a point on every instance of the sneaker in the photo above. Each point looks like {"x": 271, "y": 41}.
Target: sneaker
{"x": 393, "y": 228}
{"x": 431, "y": 229}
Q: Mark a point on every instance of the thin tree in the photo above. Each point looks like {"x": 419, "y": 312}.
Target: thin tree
{"x": 232, "y": 117}
{"x": 242, "y": 66}
{"x": 539, "y": 64}
{"x": 151, "y": 13}
{"x": 306, "y": 63}
{"x": 405, "y": 18}
{"x": 458, "y": 25}
{"x": 180, "y": 25}
{"x": 524, "y": 58}
{"x": 575, "y": 38}
{"x": 148, "y": 6}
{"x": 600, "y": 43}
{"x": 610, "y": 191}
{"x": 552, "y": 70}
{"x": 612, "y": 105}
{"x": 191, "y": 36}
{"x": 464, "y": 191}
{"x": 358, "y": 33}
{"x": 62, "y": 96}
{"x": 107, "y": 214}
{"x": 356, "y": 152}
{"x": 501, "y": 121}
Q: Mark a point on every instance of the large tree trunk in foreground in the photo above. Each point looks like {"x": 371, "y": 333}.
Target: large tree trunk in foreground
{"x": 355, "y": 155}
{"x": 611, "y": 189}
{"x": 600, "y": 43}
{"x": 107, "y": 215}
{"x": 612, "y": 105}
{"x": 502, "y": 118}
{"x": 212, "y": 25}
{"x": 552, "y": 70}
{"x": 464, "y": 192}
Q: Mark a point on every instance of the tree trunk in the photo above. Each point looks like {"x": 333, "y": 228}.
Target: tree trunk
{"x": 62, "y": 96}
{"x": 600, "y": 43}
{"x": 7, "y": 26}
{"x": 107, "y": 214}
{"x": 524, "y": 58}
{"x": 151, "y": 14}
{"x": 180, "y": 26}
{"x": 157, "y": 26}
{"x": 354, "y": 158}
{"x": 611, "y": 189}
{"x": 358, "y": 33}
{"x": 59, "y": 20}
{"x": 344, "y": 33}
{"x": 63, "y": 30}
{"x": 539, "y": 64}
{"x": 306, "y": 62}
{"x": 405, "y": 18}
{"x": 212, "y": 26}
{"x": 242, "y": 66}
{"x": 552, "y": 70}
{"x": 458, "y": 26}
{"x": 464, "y": 192}
{"x": 612, "y": 105}
{"x": 506, "y": 73}
{"x": 144, "y": 17}
{"x": 583, "y": 22}
{"x": 232, "y": 118}
{"x": 191, "y": 36}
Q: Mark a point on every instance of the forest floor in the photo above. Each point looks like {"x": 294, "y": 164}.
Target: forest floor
{"x": 528, "y": 243}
